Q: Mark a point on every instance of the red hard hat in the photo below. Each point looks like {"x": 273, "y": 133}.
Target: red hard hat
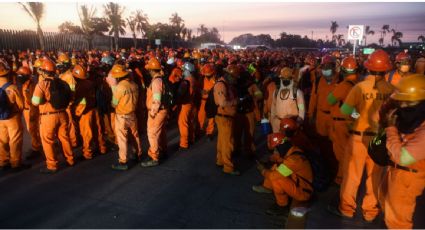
{"x": 378, "y": 61}
{"x": 349, "y": 64}
{"x": 288, "y": 124}
{"x": 23, "y": 70}
{"x": 48, "y": 65}
{"x": 275, "y": 139}
{"x": 402, "y": 56}
{"x": 208, "y": 70}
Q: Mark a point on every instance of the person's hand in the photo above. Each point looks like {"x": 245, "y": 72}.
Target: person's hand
{"x": 392, "y": 117}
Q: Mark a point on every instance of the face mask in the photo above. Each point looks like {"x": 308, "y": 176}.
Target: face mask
{"x": 404, "y": 68}
{"x": 409, "y": 118}
{"x": 286, "y": 82}
{"x": 327, "y": 73}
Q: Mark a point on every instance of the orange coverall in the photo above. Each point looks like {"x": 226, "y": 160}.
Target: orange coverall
{"x": 366, "y": 98}
{"x": 225, "y": 99}
{"x": 208, "y": 84}
{"x": 404, "y": 186}
{"x": 31, "y": 115}
{"x": 53, "y": 124}
{"x": 186, "y": 115}
{"x": 11, "y": 129}
{"x": 68, "y": 78}
{"x": 293, "y": 177}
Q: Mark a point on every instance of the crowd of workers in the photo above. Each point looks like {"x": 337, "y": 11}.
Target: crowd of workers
{"x": 334, "y": 102}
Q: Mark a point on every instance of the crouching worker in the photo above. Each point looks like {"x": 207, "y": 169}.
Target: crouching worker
{"x": 290, "y": 174}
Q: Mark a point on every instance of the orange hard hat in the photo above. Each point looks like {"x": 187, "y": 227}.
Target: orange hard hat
{"x": 288, "y": 124}
{"x": 179, "y": 63}
{"x": 275, "y": 139}
{"x": 37, "y": 63}
{"x": 286, "y": 72}
{"x": 118, "y": 71}
{"x": 402, "y": 57}
{"x": 79, "y": 72}
{"x": 336, "y": 54}
{"x": 4, "y": 68}
{"x": 196, "y": 55}
{"x": 186, "y": 55}
{"x": 63, "y": 58}
{"x": 349, "y": 64}
{"x": 24, "y": 70}
{"x": 378, "y": 61}
{"x": 175, "y": 75}
{"x": 153, "y": 64}
{"x": 410, "y": 88}
{"x": 208, "y": 70}
{"x": 48, "y": 65}
{"x": 233, "y": 70}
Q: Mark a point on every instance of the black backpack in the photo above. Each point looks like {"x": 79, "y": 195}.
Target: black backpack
{"x": 60, "y": 94}
{"x": 168, "y": 97}
{"x": 377, "y": 149}
{"x": 210, "y": 106}
{"x": 5, "y": 109}
{"x": 245, "y": 100}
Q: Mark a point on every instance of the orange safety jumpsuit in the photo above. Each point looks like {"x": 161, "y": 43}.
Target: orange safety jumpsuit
{"x": 320, "y": 107}
{"x": 53, "y": 124}
{"x": 88, "y": 117}
{"x": 157, "y": 119}
{"x": 141, "y": 111}
{"x": 292, "y": 176}
{"x": 396, "y": 77}
{"x": 124, "y": 100}
{"x": 245, "y": 124}
{"x": 270, "y": 87}
{"x": 31, "y": 116}
{"x": 208, "y": 84}
{"x": 186, "y": 117}
{"x": 366, "y": 98}
{"x": 11, "y": 130}
{"x": 225, "y": 99}
{"x": 339, "y": 127}
{"x": 68, "y": 78}
{"x": 404, "y": 184}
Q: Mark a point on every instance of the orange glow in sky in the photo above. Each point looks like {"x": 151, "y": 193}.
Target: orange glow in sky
{"x": 236, "y": 18}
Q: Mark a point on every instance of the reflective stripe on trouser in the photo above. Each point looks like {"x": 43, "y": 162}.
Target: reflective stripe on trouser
{"x": 51, "y": 127}
{"x": 244, "y": 126}
{"x": 157, "y": 134}
{"x": 72, "y": 129}
{"x": 11, "y": 137}
{"x": 185, "y": 123}
{"x": 357, "y": 159}
{"x": 339, "y": 136}
{"x": 224, "y": 142}
{"x": 125, "y": 124}
{"x": 32, "y": 122}
{"x": 323, "y": 123}
{"x": 400, "y": 201}
{"x": 89, "y": 128}
{"x": 283, "y": 188}
{"x": 202, "y": 118}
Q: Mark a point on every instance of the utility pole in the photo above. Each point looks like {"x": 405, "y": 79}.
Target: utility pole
{"x": 312, "y": 32}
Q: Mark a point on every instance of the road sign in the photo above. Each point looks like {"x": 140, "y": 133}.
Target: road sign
{"x": 355, "y": 32}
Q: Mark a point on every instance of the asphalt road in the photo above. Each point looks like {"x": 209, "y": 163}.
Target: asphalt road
{"x": 186, "y": 191}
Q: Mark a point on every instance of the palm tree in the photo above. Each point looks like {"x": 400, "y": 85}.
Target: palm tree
{"x": 381, "y": 41}
{"x": 384, "y": 31}
{"x": 132, "y": 24}
{"x": 421, "y": 38}
{"x": 35, "y": 10}
{"x": 340, "y": 39}
{"x": 189, "y": 34}
{"x": 113, "y": 12}
{"x": 142, "y": 22}
{"x": 177, "y": 23}
{"x": 184, "y": 33}
{"x": 202, "y": 29}
{"x": 396, "y": 38}
{"x": 86, "y": 16}
{"x": 334, "y": 27}
{"x": 367, "y": 32}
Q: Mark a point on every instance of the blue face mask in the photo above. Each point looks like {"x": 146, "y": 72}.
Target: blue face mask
{"x": 327, "y": 73}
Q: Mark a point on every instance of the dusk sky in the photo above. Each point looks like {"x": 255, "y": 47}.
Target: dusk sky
{"x": 236, "y": 18}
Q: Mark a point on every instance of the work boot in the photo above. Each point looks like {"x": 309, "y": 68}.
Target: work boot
{"x": 149, "y": 163}
{"x": 48, "y": 171}
{"x": 335, "y": 210}
{"x": 120, "y": 166}
{"x": 261, "y": 189}
{"x": 276, "y": 210}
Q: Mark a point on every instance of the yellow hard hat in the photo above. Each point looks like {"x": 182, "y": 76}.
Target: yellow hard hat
{"x": 286, "y": 72}
{"x": 118, "y": 71}
{"x": 410, "y": 88}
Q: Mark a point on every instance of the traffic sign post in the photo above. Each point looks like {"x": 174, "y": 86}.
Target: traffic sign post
{"x": 355, "y": 32}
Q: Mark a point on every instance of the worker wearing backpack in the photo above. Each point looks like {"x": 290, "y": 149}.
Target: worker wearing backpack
{"x": 27, "y": 84}
{"x": 208, "y": 80}
{"x": 11, "y": 130}
{"x": 225, "y": 97}
{"x": 84, "y": 108}
{"x": 65, "y": 74}
{"x": 157, "y": 113}
{"x": 291, "y": 176}
{"x": 52, "y": 96}
{"x": 124, "y": 100}
{"x": 287, "y": 100}
{"x": 339, "y": 129}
